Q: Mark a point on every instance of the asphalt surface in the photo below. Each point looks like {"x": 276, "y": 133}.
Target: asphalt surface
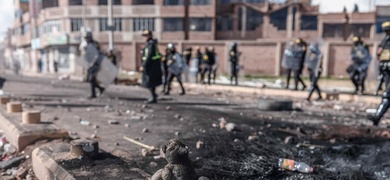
{"x": 190, "y": 118}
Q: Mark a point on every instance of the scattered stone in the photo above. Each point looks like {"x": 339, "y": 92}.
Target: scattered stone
{"x": 145, "y": 152}
{"x": 145, "y": 130}
{"x": 113, "y": 122}
{"x": 116, "y": 144}
{"x": 118, "y": 113}
{"x": 231, "y": 127}
{"x": 214, "y": 125}
{"x": 222, "y": 123}
{"x": 199, "y": 144}
{"x": 138, "y": 138}
{"x": 55, "y": 118}
{"x": 127, "y": 125}
{"x": 181, "y": 119}
{"x": 338, "y": 107}
{"x": 168, "y": 108}
{"x": 94, "y": 136}
{"x": 252, "y": 137}
{"x": 96, "y": 126}
{"x": 288, "y": 140}
{"x": 153, "y": 164}
{"x": 144, "y": 106}
{"x": 332, "y": 141}
{"x": 177, "y": 116}
{"x": 177, "y": 133}
{"x": 136, "y": 118}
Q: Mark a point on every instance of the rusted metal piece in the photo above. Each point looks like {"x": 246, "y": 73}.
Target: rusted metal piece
{"x": 84, "y": 148}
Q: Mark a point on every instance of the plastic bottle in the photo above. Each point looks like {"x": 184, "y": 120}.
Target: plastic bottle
{"x": 292, "y": 165}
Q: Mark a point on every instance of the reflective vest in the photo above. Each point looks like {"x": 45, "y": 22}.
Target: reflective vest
{"x": 156, "y": 56}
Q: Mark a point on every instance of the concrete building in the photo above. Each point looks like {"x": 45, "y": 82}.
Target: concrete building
{"x": 49, "y": 30}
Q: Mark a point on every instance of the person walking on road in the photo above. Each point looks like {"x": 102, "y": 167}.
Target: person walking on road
{"x": 199, "y": 58}
{"x": 384, "y": 58}
{"x": 112, "y": 57}
{"x": 94, "y": 68}
{"x": 314, "y": 63}
{"x": 175, "y": 65}
{"x": 151, "y": 66}
{"x": 360, "y": 60}
{"x": 234, "y": 59}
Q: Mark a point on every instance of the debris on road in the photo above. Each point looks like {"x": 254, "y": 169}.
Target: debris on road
{"x": 292, "y": 165}
{"x": 113, "y": 122}
{"x": 145, "y": 130}
{"x": 151, "y": 148}
{"x": 199, "y": 144}
{"x": 231, "y": 127}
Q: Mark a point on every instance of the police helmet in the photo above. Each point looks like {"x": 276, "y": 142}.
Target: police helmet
{"x": 87, "y": 34}
{"x": 298, "y": 41}
{"x": 171, "y": 46}
{"x": 233, "y": 45}
{"x": 146, "y": 33}
{"x": 386, "y": 26}
{"x": 356, "y": 39}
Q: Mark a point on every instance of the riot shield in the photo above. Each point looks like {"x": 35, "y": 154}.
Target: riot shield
{"x": 361, "y": 57}
{"x": 89, "y": 55}
{"x": 292, "y": 56}
{"x": 107, "y": 72}
{"x": 313, "y": 57}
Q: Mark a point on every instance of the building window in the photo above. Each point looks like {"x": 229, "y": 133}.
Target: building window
{"x": 362, "y": 30}
{"x": 379, "y": 21}
{"x": 76, "y": 24}
{"x": 25, "y": 28}
{"x": 49, "y": 3}
{"x": 333, "y": 30}
{"x": 103, "y": 24}
{"x": 225, "y": 23}
{"x": 114, "y": 2}
{"x": 200, "y": 24}
{"x": 247, "y": 1}
{"x": 140, "y": 24}
{"x": 50, "y": 26}
{"x": 308, "y": 22}
{"x": 173, "y": 24}
{"x": 278, "y": 19}
{"x": 253, "y": 19}
{"x": 75, "y": 2}
{"x": 200, "y": 2}
{"x": 173, "y": 2}
{"x": 143, "y": 2}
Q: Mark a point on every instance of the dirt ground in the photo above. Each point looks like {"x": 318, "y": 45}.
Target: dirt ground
{"x": 334, "y": 137}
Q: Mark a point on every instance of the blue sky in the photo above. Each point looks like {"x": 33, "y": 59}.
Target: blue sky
{"x": 6, "y": 9}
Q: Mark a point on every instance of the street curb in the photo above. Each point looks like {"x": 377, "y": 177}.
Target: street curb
{"x": 21, "y": 135}
{"x": 281, "y": 92}
{"x": 45, "y": 167}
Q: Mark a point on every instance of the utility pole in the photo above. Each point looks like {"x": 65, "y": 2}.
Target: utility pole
{"x": 84, "y": 27}
{"x": 186, "y": 22}
{"x": 110, "y": 26}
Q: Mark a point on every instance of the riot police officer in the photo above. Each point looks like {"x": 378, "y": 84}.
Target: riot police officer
{"x": 164, "y": 69}
{"x": 303, "y": 46}
{"x": 94, "y": 69}
{"x": 199, "y": 65}
{"x": 214, "y": 67}
{"x": 112, "y": 57}
{"x": 175, "y": 68}
{"x": 208, "y": 61}
{"x": 361, "y": 59}
{"x": 384, "y": 58}
{"x": 151, "y": 67}
{"x": 294, "y": 56}
{"x": 233, "y": 58}
{"x": 314, "y": 64}
{"x": 187, "y": 55}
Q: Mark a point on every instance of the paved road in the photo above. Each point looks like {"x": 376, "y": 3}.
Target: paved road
{"x": 189, "y": 118}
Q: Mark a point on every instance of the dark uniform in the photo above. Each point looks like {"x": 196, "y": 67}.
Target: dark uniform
{"x": 208, "y": 63}
{"x": 187, "y": 55}
{"x": 315, "y": 69}
{"x": 358, "y": 70}
{"x": 214, "y": 67}
{"x": 233, "y": 58}
{"x": 199, "y": 57}
{"x": 94, "y": 69}
{"x": 151, "y": 75}
{"x": 297, "y": 72}
{"x": 175, "y": 68}
{"x": 112, "y": 57}
{"x": 164, "y": 69}
{"x": 384, "y": 58}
